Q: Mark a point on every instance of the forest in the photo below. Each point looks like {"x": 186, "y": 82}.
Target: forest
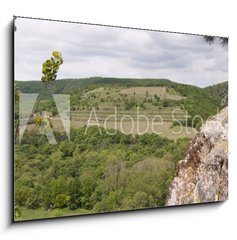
{"x": 97, "y": 173}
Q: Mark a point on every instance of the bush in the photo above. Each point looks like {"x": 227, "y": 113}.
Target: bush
{"x": 32, "y": 202}
{"x": 72, "y": 206}
{"x": 17, "y": 211}
{"x": 61, "y": 201}
{"x": 140, "y": 200}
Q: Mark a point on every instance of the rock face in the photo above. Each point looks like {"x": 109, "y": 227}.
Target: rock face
{"x": 203, "y": 175}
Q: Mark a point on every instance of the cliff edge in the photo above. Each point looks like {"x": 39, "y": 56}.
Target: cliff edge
{"x": 203, "y": 175}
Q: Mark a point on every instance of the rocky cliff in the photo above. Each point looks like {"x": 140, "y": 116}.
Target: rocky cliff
{"x": 203, "y": 175}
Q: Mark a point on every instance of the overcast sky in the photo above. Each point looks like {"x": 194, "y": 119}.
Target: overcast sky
{"x": 116, "y": 52}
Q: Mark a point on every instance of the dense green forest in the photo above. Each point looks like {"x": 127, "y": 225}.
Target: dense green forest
{"x": 95, "y": 172}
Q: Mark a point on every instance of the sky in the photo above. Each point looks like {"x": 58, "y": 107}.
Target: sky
{"x": 90, "y": 51}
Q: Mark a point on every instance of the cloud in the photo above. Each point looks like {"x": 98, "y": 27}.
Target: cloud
{"x": 117, "y": 52}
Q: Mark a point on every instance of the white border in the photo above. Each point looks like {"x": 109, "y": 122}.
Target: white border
{"x": 200, "y": 222}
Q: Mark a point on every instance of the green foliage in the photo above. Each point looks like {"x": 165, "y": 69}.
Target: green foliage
{"x": 219, "y": 92}
{"x": 61, "y": 201}
{"x": 95, "y": 172}
{"x": 17, "y": 212}
{"x": 22, "y": 192}
{"x": 51, "y": 67}
{"x": 166, "y": 103}
{"x": 49, "y": 70}
{"x": 140, "y": 200}
{"x": 38, "y": 120}
{"x": 197, "y": 103}
{"x": 33, "y": 200}
{"x": 157, "y": 98}
{"x": 130, "y": 103}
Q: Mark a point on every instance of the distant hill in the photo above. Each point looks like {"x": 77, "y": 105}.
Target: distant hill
{"x": 73, "y": 85}
{"x": 198, "y": 101}
{"x": 219, "y": 92}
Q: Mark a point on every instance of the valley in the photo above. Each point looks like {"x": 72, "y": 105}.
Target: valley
{"x": 127, "y": 137}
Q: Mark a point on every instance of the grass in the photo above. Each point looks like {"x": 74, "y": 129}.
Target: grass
{"x": 40, "y": 213}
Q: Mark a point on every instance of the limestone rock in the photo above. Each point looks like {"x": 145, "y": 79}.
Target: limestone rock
{"x": 203, "y": 175}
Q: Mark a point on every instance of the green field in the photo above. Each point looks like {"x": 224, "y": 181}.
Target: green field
{"x": 41, "y": 213}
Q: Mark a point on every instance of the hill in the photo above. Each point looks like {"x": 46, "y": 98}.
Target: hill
{"x": 219, "y": 92}
{"x": 73, "y": 85}
{"x": 203, "y": 102}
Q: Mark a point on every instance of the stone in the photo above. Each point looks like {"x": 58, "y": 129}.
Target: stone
{"x": 203, "y": 175}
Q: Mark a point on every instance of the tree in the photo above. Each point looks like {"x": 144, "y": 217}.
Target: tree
{"x": 50, "y": 69}
{"x": 61, "y": 201}
{"x": 211, "y": 39}
{"x": 140, "y": 200}
{"x": 73, "y": 186}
